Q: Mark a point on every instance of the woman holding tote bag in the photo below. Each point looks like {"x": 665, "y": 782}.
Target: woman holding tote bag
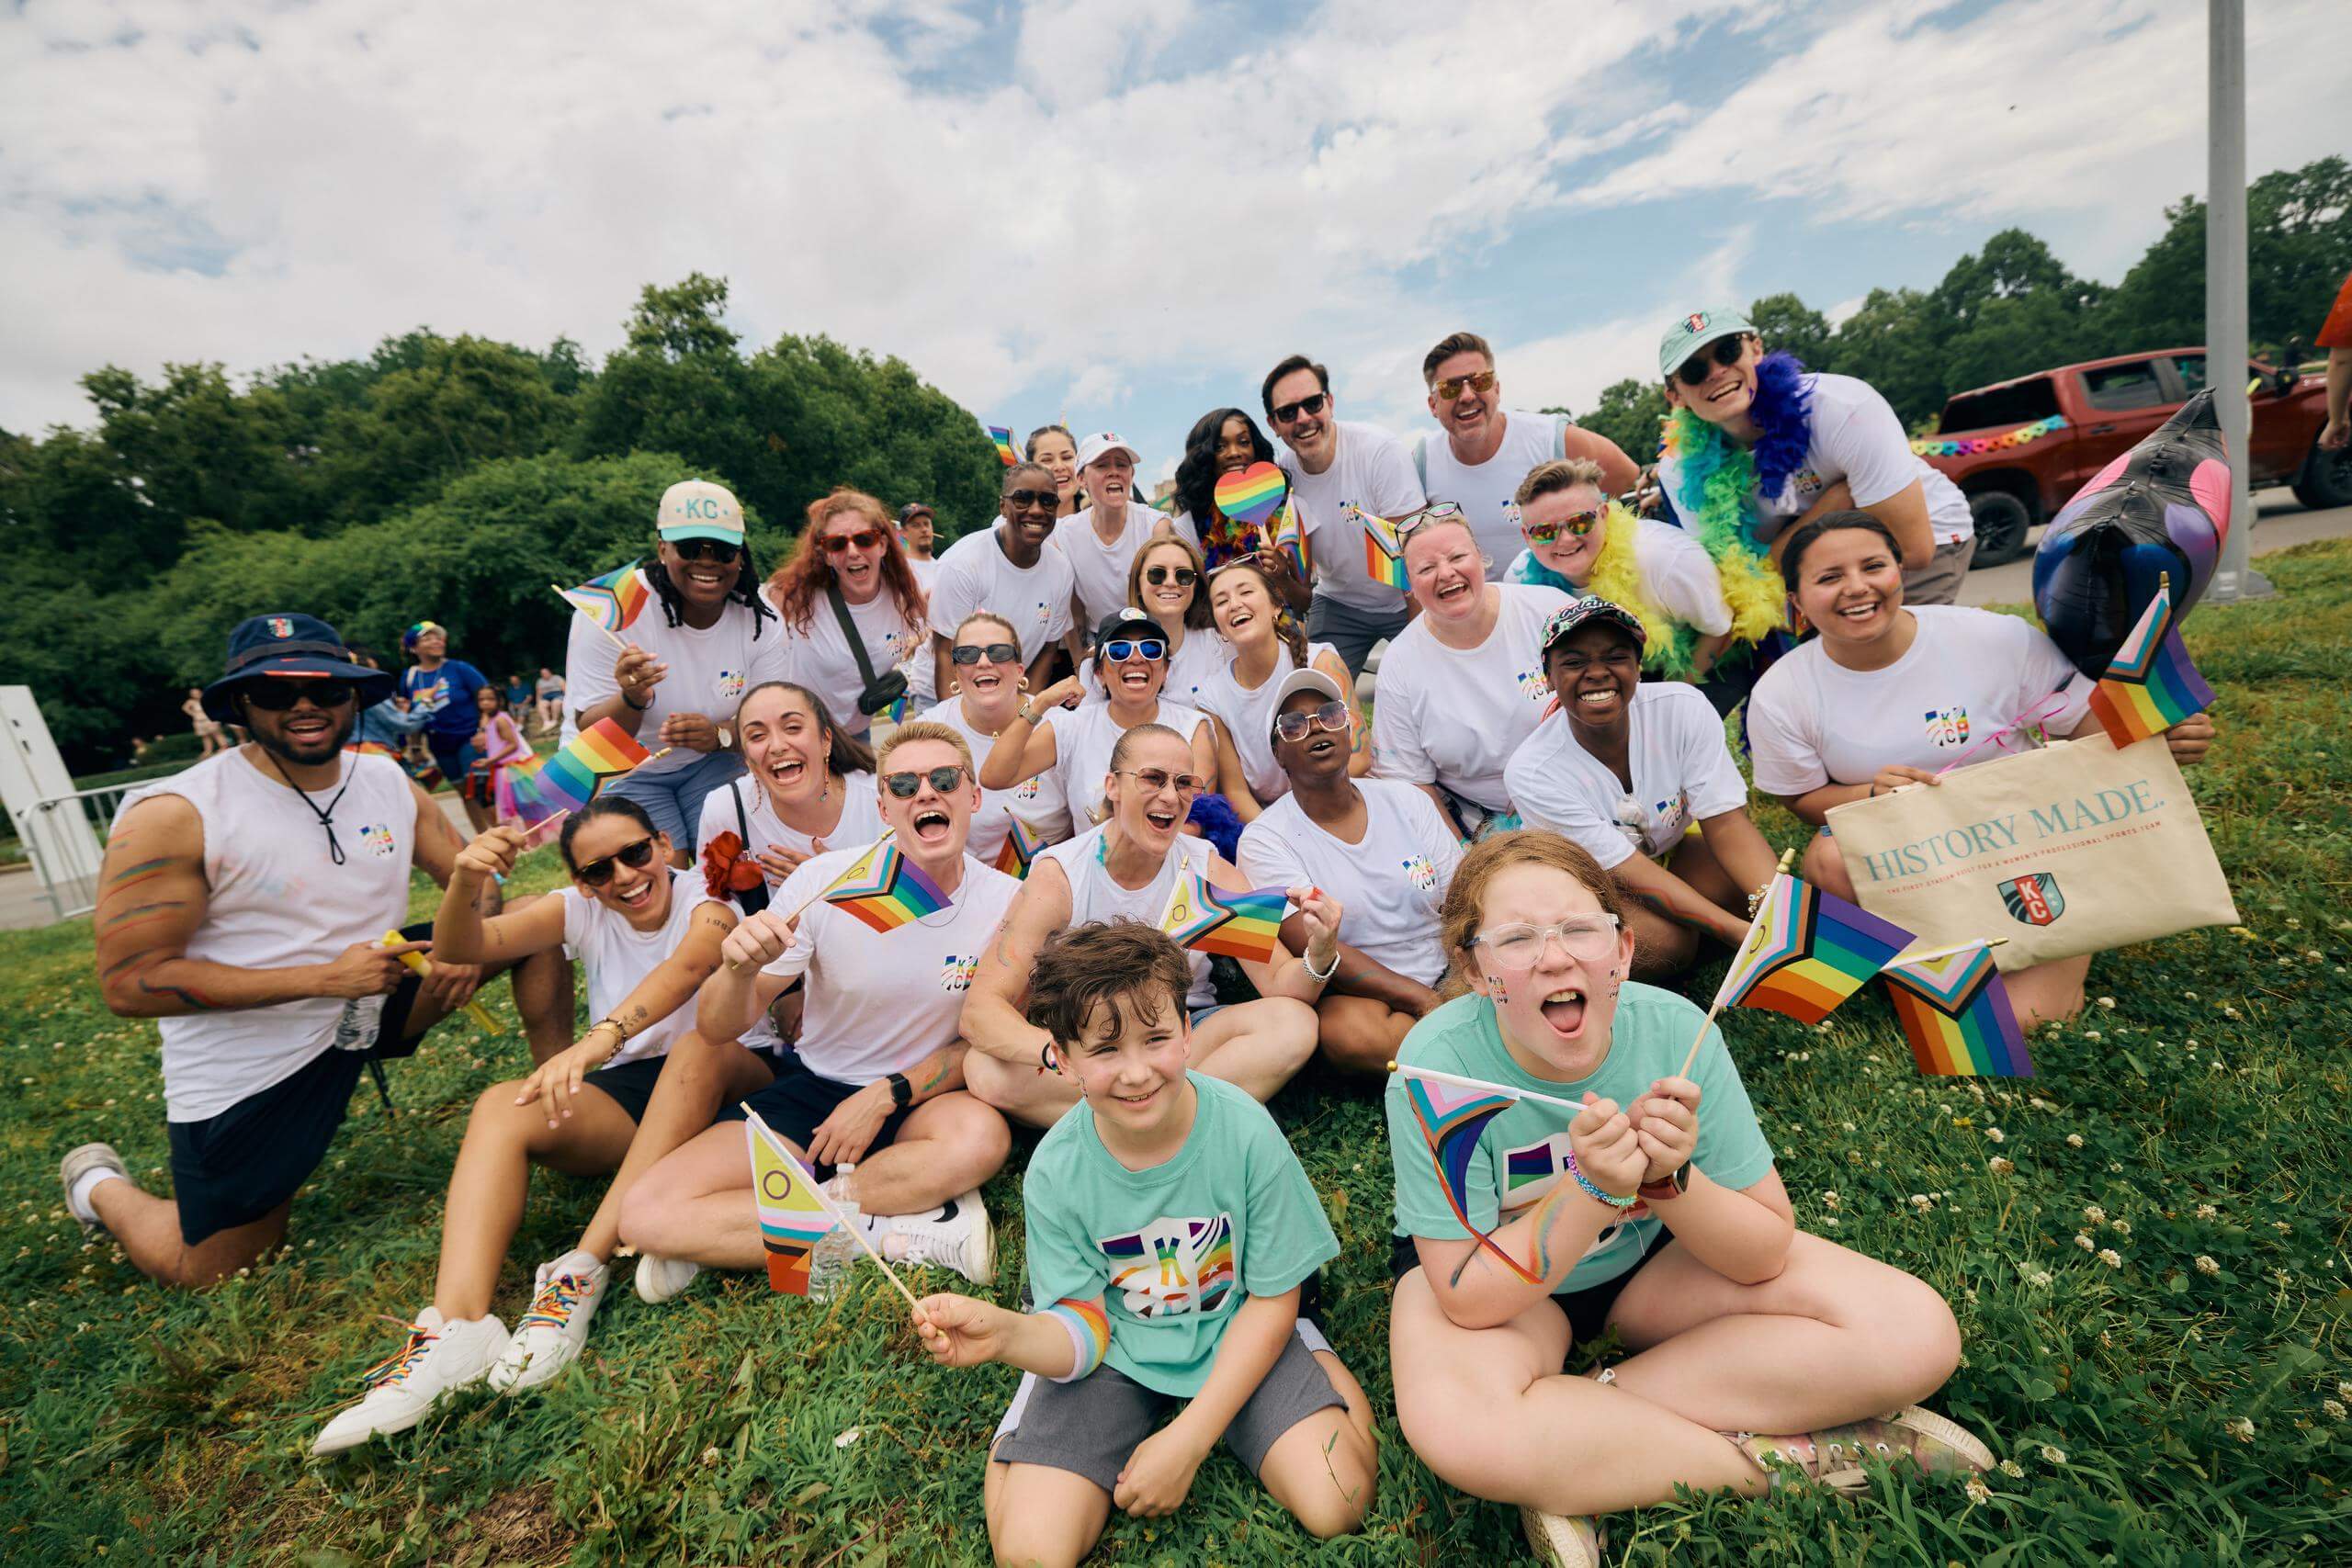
{"x": 1887, "y": 696}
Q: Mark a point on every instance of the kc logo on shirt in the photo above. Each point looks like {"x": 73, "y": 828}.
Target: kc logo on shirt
{"x": 1534, "y": 687}
{"x": 1947, "y": 727}
{"x": 1173, "y": 1266}
{"x": 730, "y": 683}
{"x": 1423, "y": 873}
{"x": 378, "y": 839}
{"x": 955, "y": 974}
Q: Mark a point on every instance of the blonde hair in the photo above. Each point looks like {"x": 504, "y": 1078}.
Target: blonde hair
{"x": 1465, "y": 908}
{"x": 993, "y": 618}
{"x": 916, "y": 729}
{"x": 1560, "y": 474}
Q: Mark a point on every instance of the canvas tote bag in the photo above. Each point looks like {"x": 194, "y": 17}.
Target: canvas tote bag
{"x": 2073, "y": 848}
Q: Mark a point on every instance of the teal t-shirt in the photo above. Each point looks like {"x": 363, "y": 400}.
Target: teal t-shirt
{"x": 1173, "y": 1250}
{"x": 1522, "y": 1151}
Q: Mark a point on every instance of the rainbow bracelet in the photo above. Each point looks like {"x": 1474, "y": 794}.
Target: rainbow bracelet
{"x": 1586, "y": 1182}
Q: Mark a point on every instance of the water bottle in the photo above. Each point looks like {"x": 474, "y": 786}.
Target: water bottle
{"x": 836, "y": 1251}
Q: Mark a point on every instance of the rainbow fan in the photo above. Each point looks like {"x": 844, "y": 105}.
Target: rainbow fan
{"x": 611, "y": 601}
{"x": 1243, "y": 926}
{"x": 886, "y": 890}
{"x": 2150, "y": 686}
{"x": 1806, "y": 952}
{"x": 1956, "y": 1014}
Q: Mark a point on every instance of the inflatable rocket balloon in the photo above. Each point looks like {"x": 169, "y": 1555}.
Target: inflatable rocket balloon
{"x": 2163, "y": 507}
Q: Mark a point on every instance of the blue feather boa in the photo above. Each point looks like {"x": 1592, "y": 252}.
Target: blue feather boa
{"x": 1710, "y": 460}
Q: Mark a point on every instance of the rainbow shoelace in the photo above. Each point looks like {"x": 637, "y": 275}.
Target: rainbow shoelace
{"x": 552, "y": 1307}
{"x": 396, "y": 1367}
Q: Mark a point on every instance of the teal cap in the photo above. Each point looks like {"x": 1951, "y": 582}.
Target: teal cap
{"x": 1695, "y": 331}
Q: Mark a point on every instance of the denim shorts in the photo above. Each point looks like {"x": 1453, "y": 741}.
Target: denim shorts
{"x": 673, "y": 799}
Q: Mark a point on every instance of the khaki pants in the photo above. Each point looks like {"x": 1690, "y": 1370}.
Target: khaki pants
{"x": 1938, "y": 582}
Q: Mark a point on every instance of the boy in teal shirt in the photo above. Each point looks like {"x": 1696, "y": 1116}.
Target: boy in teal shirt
{"x": 1170, "y": 1228}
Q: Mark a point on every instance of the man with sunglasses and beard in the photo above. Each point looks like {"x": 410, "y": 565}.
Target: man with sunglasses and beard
{"x": 1331, "y": 464}
{"x": 1008, "y": 569}
{"x": 871, "y": 1097}
{"x": 1487, "y": 451}
{"x": 243, "y": 903}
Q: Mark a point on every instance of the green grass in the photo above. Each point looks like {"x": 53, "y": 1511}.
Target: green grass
{"x": 2204, "y": 1110}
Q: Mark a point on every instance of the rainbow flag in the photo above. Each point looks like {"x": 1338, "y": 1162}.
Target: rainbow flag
{"x": 611, "y": 601}
{"x": 1806, "y": 952}
{"x": 886, "y": 890}
{"x": 1244, "y": 925}
{"x": 1383, "y": 552}
{"x": 570, "y": 778}
{"x": 1002, "y": 439}
{"x": 1289, "y": 537}
{"x": 1021, "y": 847}
{"x": 1452, "y": 1118}
{"x": 2150, "y": 686}
{"x": 792, "y": 1219}
{"x": 1956, "y": 1014}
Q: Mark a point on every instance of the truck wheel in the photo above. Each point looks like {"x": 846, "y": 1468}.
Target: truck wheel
{"x": 2326, "y": 480}
{"x": 2001, "y": 524}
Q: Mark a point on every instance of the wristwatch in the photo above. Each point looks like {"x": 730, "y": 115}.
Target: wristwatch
{"x": 1674, "y": 1185}
{"x": 902, "y": 1093}
{"x": 725, "y": 736}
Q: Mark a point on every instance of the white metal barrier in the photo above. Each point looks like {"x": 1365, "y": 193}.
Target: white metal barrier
{"x": 64, "y": 836}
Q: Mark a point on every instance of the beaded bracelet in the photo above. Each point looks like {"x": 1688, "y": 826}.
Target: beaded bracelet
{"x": 1586, "y": 1182}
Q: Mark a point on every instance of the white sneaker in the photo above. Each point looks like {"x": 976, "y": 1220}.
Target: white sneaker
{"x": 955, "y": 1236}
{"x": 438, "y": 1359}
{"x": 78, "y": 1163}
{"x": 1562, "y": 1540}
{"x": 547, "y": 1337}
{"x": 658, "y": 1278}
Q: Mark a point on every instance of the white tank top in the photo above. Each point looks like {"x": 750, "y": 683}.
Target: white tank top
{"x": 277, "y": 900}
{"x": 1482, "y": 490}
{"x": 1250, "y": 718}
{"x": 1093, "y": 896}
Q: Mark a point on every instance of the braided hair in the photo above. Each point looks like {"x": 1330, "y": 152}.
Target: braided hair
{"x": 746, "y": 591}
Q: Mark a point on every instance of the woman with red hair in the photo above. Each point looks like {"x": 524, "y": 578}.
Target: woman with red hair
{"x": 850, "y": 602}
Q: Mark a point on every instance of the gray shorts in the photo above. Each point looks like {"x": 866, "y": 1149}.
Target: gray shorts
{"x": 1938, "y": 582}
{"x": 1350, "y": 631}
{"x": 1090, "y": 1427}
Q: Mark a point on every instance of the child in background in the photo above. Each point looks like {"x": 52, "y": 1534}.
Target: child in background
{"x": 489, "y": 793}
{"x": 1170, "y": 1230}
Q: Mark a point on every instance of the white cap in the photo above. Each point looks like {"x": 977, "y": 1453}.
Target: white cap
{"x": 1297, "y": 681}
{"x": 1102, "y": 443}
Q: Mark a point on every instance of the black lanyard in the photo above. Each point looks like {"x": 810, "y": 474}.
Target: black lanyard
{"x": 326, "y": 818}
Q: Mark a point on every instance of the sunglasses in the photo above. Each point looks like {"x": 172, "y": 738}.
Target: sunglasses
{"x": 1451, "y": 388}
{"x": 1290, "y": 412}
{"x": 276, "y": 696}
{"x": 715, "y": 550}
{"x": 1442, "y": 512}
{"x": 1576, "y": 524}
{"x": 944, "y": 780}
{"x": 1147, "y": 648}
{"x": 1153, "y": 780}
{"x": 866, "y": 539}
{"x": 1158, "y": 576}
{"x": 1295, "y": 727}
{"x": 1046, "y": 498}
{"x": 1723, "y": 351}
{"x": 636, "y": 856}
{"x": 995, "y": 653}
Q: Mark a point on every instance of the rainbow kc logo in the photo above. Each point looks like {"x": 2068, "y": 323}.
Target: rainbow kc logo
{"x": 1423, "y": 873}
{"x": 955, "y": 974}
{"x": 2034, "y": 899}
{"x": 378, "y": 838}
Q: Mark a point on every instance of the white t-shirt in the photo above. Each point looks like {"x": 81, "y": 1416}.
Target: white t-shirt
{"x": 1673, "y": 569}
{"x": 1967, "y": 674}
{"x": 924, "y": 569}
{"x": 861, "y": 821}
{"x": 1682, "y": 773}
{"x": 1093, "y": 896}
{"x": 710, "y": 671}
{"x": 277, "y": 900}
{"x": 1040, "y": 806}
{"x": 1483, "y": 489}
{"x": 1371, "y": 469}
{"x": 1083, "y": 739}
{"x": 1857, "y": 438}
{"x": 1453, "y": 716}
{"x": 1203, "y": 652}
{"x": 619, "y": 957}
{"x": 820, "y": 660}
{"x": 1248, "y": 717}
{"x": 1390, "y": 885}
{"x": 974, "y": 575}
{"x": 879, "y": 1002}
{"x": 1098, "y": 570}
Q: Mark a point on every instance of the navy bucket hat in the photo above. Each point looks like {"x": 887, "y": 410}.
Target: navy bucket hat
{"x": 293, "y": 647}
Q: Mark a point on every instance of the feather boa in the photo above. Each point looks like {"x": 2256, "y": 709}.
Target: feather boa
{"x": 1719, "y": 480}
{"x": 1753, "y": 592}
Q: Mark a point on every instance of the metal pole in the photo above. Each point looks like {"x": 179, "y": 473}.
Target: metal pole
{"x": 2225, "y": 287}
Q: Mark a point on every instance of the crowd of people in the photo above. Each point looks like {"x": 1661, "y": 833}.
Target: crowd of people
{"x": 1061, "y": 719}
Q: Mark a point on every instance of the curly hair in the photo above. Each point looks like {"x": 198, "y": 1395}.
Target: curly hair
{"x": 799, "y": 581}
{"x": 1196, "y": 471}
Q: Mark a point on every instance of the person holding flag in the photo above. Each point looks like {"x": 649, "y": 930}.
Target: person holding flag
{"x": 649, "y": 939}
{"x": 1892, "y": 696}
{"x": 1129, "y": 867}
{"x": 1557, "y": 1175}
{"x": 871, "y": 1098}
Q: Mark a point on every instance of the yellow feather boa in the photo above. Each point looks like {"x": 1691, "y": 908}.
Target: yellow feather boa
{"x": 1751, "y": 588}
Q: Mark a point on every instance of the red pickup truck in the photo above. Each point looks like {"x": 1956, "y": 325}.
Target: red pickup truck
{"x": 2021, "y": 450}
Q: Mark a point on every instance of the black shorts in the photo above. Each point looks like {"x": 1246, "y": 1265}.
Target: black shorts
{"x": 1587, "y": 1310}
{"x": 798, "y": 1102}
{"x": 630, "y": 1084}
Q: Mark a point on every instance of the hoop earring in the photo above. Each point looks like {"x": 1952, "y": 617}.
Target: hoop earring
{"x": 1023, "y": 685}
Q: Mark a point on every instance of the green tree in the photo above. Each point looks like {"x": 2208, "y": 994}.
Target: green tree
{"x": 414, "y": 429}
{"x": 1785, "y": 322}
{"x": 1630, "y": 412}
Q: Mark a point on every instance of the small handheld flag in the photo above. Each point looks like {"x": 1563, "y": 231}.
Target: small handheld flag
{"x": 484, "y": 1019}
{"x": 2150, "y": 686}
{"x": 1002, "y": 439}
{"x": 1383, "y": 552}
{"x": 1244, "y": 925}
{"x": 1290, "y": 538}
{"x": 792, "y": 1218}
{"x": 1021, "y": 847}
{"x": 1452, "y": 1113}
{"x": 1250, "y": 495}
{"x": 886, "y": 890}
{"x": 1806, "y": 952}
{"x": 570, "y": 778}
{"x": 612, "y": 601}
{"x": 1956, "y": 1014}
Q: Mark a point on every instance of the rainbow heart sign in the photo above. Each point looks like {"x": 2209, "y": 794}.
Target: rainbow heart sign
{"x": 1251, "y": 495}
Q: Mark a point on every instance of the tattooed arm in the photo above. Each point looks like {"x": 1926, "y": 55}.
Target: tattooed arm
{"x": 993, "y": 1022}
{"x": 152, "y": 901}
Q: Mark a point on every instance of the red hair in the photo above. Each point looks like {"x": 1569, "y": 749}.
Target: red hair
{"x": 798, "y": 583}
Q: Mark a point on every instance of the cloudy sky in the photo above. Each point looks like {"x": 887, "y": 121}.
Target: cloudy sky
{"x": 1122, "y": 210}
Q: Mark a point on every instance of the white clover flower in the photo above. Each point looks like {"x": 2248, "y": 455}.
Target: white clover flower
{"x": 1829, "y": 1200}
{"x": 2334, "y": 1411}
{"x": 2051, "y": 1454}
{"x": 2083, "y": 1239}
{"x": 2038, "y": 1279}
{"x": 1999, "y": 1166}
{"x": 1922, "y": 1201}
{"x": 2112, "y": 1258}
{"x": 2073, "y": 1140}
{"x": 2121, "y": 1227}
{"x": 2205, "y": 1264}
{"x": 2344, "y": 1391}
{"x": 2094, "y": 1214}
{"x": 2241, "y": 1429}
{"x": 2206, "y": 1211}
{"x": 1976, "y": 1489}
{"x": 2012, "y": 1469}
{"x": 1995, "y": 1134}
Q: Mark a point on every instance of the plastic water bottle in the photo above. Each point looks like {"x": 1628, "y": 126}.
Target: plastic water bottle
{"x": 836, "y": 1251}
